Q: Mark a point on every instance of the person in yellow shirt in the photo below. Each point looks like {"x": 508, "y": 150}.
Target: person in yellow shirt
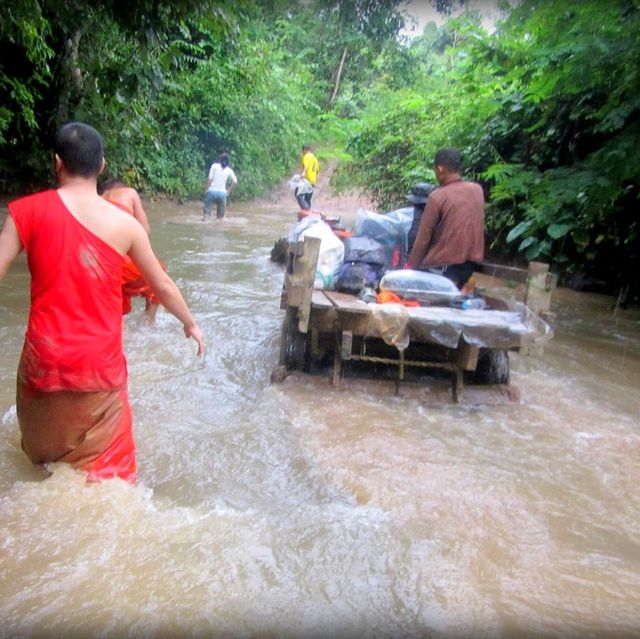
{"x": 310, "y": 170}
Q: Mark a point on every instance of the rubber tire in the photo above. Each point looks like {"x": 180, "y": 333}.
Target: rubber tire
{"x": 492, "y": 368}
{"x": 296, "y": 344}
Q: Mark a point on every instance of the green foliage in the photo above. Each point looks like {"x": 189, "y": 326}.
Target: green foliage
{"x": 546, "y": 113}
{"x": 545, "y": 109}
{"x": 401, "y": 129}
{"x": 576, "y": 133}
{"x": 170, "y": 86}
{"x": 24, "y": 68}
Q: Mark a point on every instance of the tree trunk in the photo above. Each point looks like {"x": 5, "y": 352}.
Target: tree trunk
{"x": 338, "y": 76}
{"x": 71, "y": 81}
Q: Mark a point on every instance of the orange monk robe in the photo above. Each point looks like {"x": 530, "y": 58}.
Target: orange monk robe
{"x": 133, "y": 284}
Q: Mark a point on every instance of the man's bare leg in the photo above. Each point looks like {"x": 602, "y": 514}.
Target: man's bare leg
{"x": 150, "y": 308}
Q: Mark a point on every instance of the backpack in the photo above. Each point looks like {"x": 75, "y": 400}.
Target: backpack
{"x": 354, "y": 276}
{"x": 364, "y": 263}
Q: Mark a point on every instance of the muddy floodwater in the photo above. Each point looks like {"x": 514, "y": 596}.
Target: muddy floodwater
{"x": 295, "y": 510}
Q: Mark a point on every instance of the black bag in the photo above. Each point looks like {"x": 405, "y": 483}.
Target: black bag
{"x": 360, "y": 248}
{"x": 364, "y": 263}
{"x": 354, "y": 276}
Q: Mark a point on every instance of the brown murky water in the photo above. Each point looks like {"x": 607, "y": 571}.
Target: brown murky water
{"x": 295, "y": 510}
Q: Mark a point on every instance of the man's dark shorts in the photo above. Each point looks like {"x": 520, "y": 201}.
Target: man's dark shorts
{"x": 459, "y": 274}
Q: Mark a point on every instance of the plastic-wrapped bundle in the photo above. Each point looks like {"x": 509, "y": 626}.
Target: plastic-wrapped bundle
{"x": 425, "y": 287}
{"x": 300, "y": 185}
{"x": 331, "y": 248}
{"x": 390, "y": 229}
{"x": 364, "y": 249}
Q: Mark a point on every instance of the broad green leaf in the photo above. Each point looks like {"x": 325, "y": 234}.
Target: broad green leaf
{"x": 528, "y": 241}
{"x": 557, "y": 231}
{"x": 533, "y": 252}
{"x": 518, "y": 230}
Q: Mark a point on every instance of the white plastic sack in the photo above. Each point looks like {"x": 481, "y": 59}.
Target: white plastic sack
{"x": 298, "y": 229}
{"x": 331, "y": 253}
{"x": 300, "y": 185}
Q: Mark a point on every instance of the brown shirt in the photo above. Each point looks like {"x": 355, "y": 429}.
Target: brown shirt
{"x": 452, "y": 227}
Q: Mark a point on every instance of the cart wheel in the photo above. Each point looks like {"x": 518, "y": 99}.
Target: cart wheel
{"x": 492, "y": 368}
{"x": 294, "y": 354}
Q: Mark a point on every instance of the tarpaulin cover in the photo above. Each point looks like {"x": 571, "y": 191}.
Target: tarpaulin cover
{"x": 444, "y": 326}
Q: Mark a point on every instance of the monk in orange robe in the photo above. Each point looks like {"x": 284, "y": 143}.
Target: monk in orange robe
{"x": 71, "y": 398}
{"x": 133, "y": 284}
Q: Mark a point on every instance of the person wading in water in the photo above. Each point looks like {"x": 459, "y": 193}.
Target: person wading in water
{"x": 71, "y": 398}
{"x": 133, "y": 284}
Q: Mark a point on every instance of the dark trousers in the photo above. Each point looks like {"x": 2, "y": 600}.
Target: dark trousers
{"x": 459, "y": 274}
{"x": 304, "y": 200}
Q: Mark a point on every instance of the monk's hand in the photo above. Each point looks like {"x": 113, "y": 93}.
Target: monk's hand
{"x": 195, "y": 333}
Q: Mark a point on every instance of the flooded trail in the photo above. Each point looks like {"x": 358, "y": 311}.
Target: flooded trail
{"x": 294, "y": 510}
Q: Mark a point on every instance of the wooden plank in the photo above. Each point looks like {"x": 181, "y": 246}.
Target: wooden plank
{"x": 298, "y": 281}
{"x": 539, "y": 290}
{"x": 347, "y": 345}
{"x": 323, "y": 319}
{"x": 465, "y": 357}
{"x": 285, "y": 334}
{"x": 337, "y": 363}
{"x": 346, "y": 302}
{"x": 296, "y": 294}
{"x": 356, "y": 322}
{"x": 457, "y": 387}
{"x": 319, "y": 300}
{"x": 513, "y": 273}
{"x": 323, "y": 313}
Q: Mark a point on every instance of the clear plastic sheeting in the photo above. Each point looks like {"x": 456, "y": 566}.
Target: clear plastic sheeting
{"x": 398, "y": 326}
{"x": 390, "y": 229}
{"x": 411, "y": 281}
{"x": 483, "y": 328}
{"x": 425, "y": 287}
{"x": 391, "y": 323}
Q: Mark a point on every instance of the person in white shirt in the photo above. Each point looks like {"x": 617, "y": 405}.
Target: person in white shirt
{"x": 220, "y": 182}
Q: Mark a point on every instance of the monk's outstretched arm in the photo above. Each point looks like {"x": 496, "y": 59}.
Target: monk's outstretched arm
{"x": 162, "y": 285}
{"x": 10, "y": 245}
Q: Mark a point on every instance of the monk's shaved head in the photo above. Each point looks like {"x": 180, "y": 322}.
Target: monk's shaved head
{"x": 80, "y": 148}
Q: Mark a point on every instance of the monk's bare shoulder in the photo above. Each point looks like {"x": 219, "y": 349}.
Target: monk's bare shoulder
{"x": 120, "y": 218}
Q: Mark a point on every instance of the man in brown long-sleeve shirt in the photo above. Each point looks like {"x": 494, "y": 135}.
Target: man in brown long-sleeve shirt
{"x": 450, "y": 238}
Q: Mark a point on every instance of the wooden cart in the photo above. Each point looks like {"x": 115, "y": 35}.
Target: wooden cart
{"x": 321, "y": 324}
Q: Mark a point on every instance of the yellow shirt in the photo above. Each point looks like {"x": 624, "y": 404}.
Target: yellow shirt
{"x": 310, "y": 167}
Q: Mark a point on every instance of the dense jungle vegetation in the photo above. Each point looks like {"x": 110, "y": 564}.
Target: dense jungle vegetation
{"x": 545, "y": 107}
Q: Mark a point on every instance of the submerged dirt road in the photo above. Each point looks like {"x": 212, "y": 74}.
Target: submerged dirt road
{"x": 294, "y": 510}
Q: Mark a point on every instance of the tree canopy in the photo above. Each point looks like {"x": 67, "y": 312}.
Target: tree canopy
{"x": 544, "y": 108}
{"x": 546, "y": 111}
